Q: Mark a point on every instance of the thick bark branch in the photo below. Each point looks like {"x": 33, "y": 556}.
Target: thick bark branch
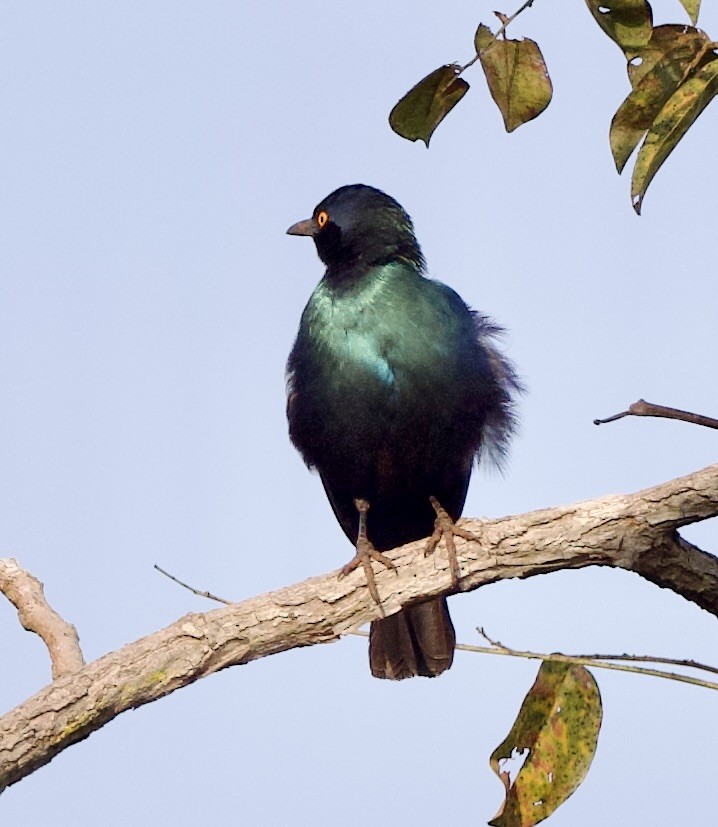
{"x": 635, "y": 532}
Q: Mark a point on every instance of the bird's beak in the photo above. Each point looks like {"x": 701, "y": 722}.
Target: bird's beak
{"x": 306, "y": 227}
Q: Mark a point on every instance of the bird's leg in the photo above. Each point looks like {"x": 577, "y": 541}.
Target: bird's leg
{"x": 365, "y": 553}
{"x": 445, "y": 527}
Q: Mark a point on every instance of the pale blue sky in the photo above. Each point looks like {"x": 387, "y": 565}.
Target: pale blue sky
{"x": 153, "y": 155}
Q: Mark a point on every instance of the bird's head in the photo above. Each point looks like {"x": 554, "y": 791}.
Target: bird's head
{"x": 360, "y": 224}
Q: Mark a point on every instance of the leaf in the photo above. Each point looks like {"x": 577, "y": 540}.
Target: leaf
{"x": 627, "y": 22}
{"x": 662, "y": 68}
{"x": 484, "y": 37}
{"x": 672, "y": 43}
{"x": 423, "y": 108}
{"x": 672, "y": 123}
{"x": 517, "y": 76}
{"x": 558, "y": 726}
{"x": 692, "y": 7}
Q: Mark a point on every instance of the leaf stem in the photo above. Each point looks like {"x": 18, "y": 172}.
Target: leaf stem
{"x": 500, "y": 33}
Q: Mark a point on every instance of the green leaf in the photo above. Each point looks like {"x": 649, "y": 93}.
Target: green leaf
{"x": 693, "y": 7}
{"x": 517, "y": 76}
{"x": 672, "y": 123}
{"x": 558, "y": 726}
{"x": 423, "y": 108}
{"x": 663, "y": 65}
{"x": 627, "y": 22}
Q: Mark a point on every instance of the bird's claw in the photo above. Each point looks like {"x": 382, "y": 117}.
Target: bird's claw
{"x": 365, "y": 553}
{"x": 445, "y": 527}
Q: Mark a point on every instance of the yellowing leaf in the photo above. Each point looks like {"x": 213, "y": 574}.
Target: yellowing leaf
{"x": 671, "y": 45}
{"x": 517, "y": 76}
{"x": 484, "y": 37}
{"x": 628, "y": 127}
{"x": 671, "y": 124}
{"x": 557, "y": 732}
{"x": 627, "y": 22}
{"x": 692, "y": 7}
{"x": 662, "y": 68}
{"x": 422, "y": 109}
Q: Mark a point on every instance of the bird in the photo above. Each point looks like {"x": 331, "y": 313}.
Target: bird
{"x": 395, "y": 389}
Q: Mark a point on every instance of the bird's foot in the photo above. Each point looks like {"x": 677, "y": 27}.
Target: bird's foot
{"x": 445, "y": 527}
{"x": 365, "y": 553}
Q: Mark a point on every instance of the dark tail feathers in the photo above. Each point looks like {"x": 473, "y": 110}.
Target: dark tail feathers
{"x": 419, "y": 640}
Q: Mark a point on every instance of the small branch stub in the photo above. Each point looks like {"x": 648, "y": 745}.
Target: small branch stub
{"x": 26, "y": 593}
{"x": 643, "y": 408}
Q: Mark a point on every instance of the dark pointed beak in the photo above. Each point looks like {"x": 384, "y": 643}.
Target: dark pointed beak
{"x": 306, "y": 227}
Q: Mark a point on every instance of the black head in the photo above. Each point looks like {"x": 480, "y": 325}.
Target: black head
{"x": 360, "y": 224}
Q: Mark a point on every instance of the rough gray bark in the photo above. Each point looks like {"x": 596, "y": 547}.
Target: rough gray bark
{"x": 637, "y": 532}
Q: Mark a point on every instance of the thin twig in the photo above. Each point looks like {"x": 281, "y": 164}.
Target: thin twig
{"x": 500, "y": 33}
{"x": 498, "y": 648}
{"x": 199, "y": 593}
{"x": 643, "y": 408}
{"x": 691, "y": 664}
{"x": 618, "y": 667}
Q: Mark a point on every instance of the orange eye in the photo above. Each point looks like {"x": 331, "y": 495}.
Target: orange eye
{"x": 322, "y": 219}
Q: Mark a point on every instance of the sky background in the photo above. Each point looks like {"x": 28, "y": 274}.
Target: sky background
{"x": 152, "y": 156}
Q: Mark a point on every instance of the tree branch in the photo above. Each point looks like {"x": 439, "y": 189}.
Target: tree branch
{"x": 643, "y": 408}
{"x": 636, "y": 532}
{"x": 26, "y": 594}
